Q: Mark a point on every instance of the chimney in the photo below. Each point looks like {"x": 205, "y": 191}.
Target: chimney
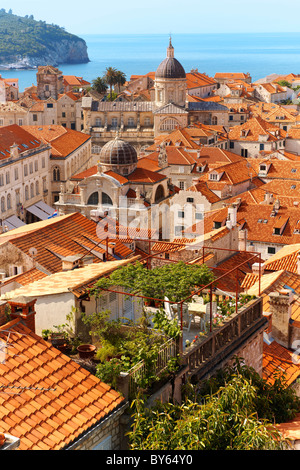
{"x": 255, "y": 268}
{"x": 232, "y": 214}
{"x": 269, "y": 198}
{"x": 242, "y": 240}
{"x": 24, "y": 309}
{"x": 70, "y": 262}
{"x": 280, "y": 308}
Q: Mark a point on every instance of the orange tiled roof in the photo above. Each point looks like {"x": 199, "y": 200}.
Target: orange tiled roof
{"x": 175, "y": 156}
{"x": 230, "y": 75}
{"x": 201, "y": 187}
{"x": 67, "y": 235}
{"x": 148, "y": 164}
{"x": 112, "y": 229}
{"x": 72, "y": 80}
{"x": 231, "y": 173}
{"x": 197, "y": 79}
{"x": 142, "y": 175}
{"x": 286, "y": 259}
{"x": 272, "y": 88}
{"x": 54, "y": 419}
{"x": 63, "y": 140}
{"x": 276, "y": 358}
{"x": 85, "y": 174}
{"x": 179, "y": 137}
{"x": 10, "y": 135}
{"x": 249, "y": 280}
{"x": 272, "y": 112}
{"x": 70, "y": 94}
{"x": 278, "y": 169}
{"x": 252, "y": 129}
{"x": 25, "y": 278}
{"x": 176, "y": 245}
{"x": 294, "y": 133}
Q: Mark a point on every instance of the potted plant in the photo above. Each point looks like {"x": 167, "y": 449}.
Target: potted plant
{"x": 46, "y": 334}
{"x": 86, "y": 351}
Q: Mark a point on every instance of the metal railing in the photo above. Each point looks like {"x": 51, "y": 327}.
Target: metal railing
{"x": 138, "y": 373}
{"x": 224, "y": 339}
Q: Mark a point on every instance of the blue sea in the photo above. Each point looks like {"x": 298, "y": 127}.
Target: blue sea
{"x": 258, "y": 53}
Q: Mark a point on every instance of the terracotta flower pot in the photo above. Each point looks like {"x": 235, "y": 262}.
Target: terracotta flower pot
{"x": 86, "y": 351}
{"x": 57, "y": 339}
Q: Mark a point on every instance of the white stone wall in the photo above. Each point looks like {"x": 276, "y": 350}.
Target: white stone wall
{"x": 292, "y": 145}
{"x": 17, "y": 184}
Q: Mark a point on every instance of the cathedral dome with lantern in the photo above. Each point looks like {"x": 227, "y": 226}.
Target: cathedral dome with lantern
{"x": 118, "y": 156}
{"x": 170, "y": 67}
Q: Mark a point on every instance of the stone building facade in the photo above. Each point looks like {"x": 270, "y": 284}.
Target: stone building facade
{"x": 139, "y": 122}
{"x": 49, "y": 82}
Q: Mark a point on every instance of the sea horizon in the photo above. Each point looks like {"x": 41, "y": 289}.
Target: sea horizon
{"x": 260, "y": 54}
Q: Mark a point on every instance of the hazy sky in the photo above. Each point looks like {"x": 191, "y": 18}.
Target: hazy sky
{"x": 162, "y": 16}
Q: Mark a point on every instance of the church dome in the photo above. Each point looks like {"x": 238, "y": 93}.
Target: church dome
{"x": 170, "y": 67}
{"x": 118, "y": 152}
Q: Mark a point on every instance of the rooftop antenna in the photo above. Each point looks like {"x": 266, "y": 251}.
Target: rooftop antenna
{"x": 33, "y": 252}
{"x": 4, "y": 349}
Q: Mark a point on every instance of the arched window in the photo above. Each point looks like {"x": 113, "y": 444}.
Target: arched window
{"x": 8, "y": 201}
{"x": 37, "y": 188}
{"x": 2, "y": 204}
{"x": 214, "y": 120}
{"x": 169, "y": 125}
{"x": 93, "y": 200}
{"x": 31, "y": 190}
{"x": 106, "y": 200}
{"x": 160, "y": 193}
{"x": 130, "y": 122}
{"x": 26, "y": 193}
{"x": 56, "y": 174}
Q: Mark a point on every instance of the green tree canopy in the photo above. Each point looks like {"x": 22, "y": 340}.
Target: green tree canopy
{"x": 174, "y": 280}
{"x": 110, "y": 77}
{"x": 99, "y": 85}
{"x": 225, "y": 419}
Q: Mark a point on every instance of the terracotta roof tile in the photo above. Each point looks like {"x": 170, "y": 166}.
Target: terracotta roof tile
{"x": 63, "y": 235}
{"x": 63, "y": 140}
{"x": 277, "y": 358}
{"x": 50, "y": 420}
{"x": 252, "y": 129}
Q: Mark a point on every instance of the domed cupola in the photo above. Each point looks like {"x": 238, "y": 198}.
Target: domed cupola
{"x": 170, "y": 67}
{"x": 118, "y": 156}
{"x": 170, "y": 81}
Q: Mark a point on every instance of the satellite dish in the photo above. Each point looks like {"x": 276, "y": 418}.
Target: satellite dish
{"x": 32, "y": 251}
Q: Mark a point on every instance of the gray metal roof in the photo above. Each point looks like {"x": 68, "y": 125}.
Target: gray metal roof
{"x": 141, "y": 106}
{"x": 206, "y": 106}
{"x": 171, "y": 108}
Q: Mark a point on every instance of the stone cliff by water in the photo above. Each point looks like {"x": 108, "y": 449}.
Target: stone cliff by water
{"x": 26, "y": 43}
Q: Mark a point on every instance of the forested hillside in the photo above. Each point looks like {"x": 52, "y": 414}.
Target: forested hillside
{"x": 25, "y": 37}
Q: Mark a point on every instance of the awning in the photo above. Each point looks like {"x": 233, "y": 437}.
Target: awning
{"x": 41, "y": 210}
{"x": 44, "y": 207}
{"x": 12, "y": 222}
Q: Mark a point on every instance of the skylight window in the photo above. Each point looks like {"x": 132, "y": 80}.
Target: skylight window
{"x": 293, "y": 186}
{"x": 259, "y": 221}
{"x": 293, "y": 170}
{"x": 25, "y": 146}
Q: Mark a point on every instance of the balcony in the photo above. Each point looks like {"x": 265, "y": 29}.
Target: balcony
{"x": 212, "y": 350}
